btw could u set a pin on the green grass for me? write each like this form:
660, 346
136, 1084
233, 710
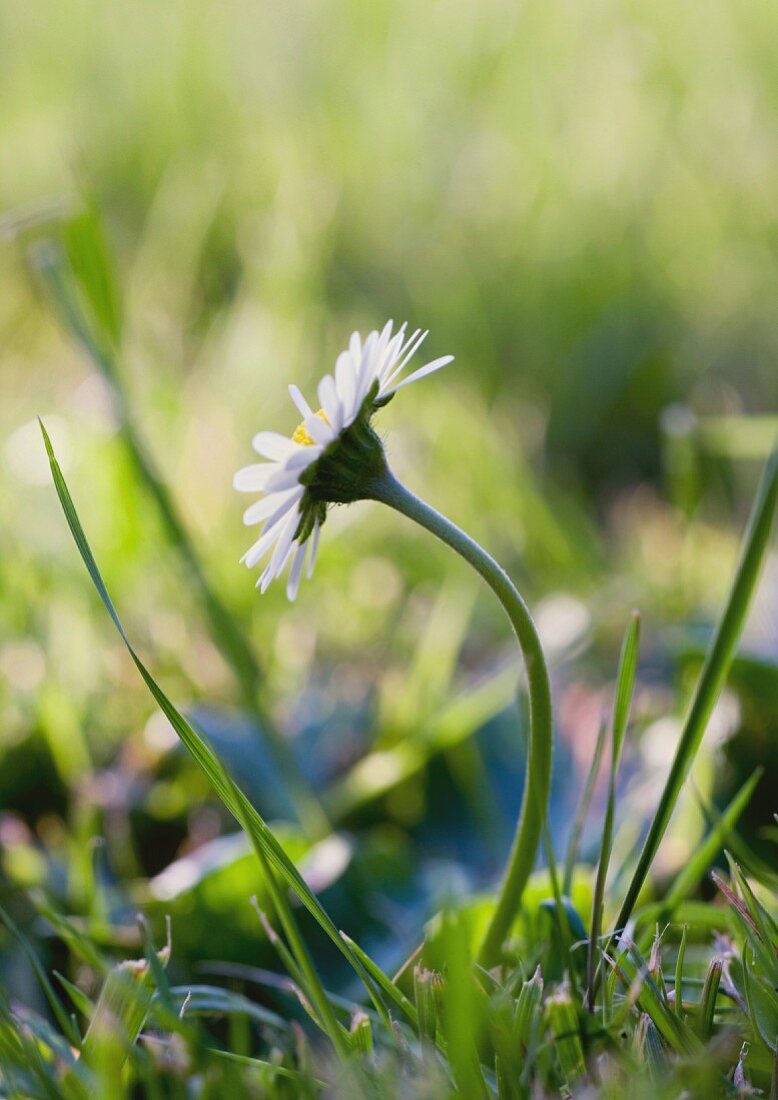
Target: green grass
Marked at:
198, 203
529, 1023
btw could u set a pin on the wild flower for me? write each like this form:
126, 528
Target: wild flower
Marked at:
332, 455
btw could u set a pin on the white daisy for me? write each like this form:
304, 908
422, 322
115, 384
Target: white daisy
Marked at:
331, 454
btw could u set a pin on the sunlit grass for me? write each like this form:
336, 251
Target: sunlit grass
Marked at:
579, 200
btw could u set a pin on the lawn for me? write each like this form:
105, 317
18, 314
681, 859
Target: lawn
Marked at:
362, 843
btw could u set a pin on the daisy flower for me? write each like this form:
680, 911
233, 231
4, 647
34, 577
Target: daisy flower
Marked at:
331, 457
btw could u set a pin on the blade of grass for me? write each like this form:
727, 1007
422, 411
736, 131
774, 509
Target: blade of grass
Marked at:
87, 264
673, 1028
697, 866
230, 794
561, 914
270, 1068
462, 1017
699, 863
84, 1004
708, 996
767, 925
574, 843
296, 981
678, 987
63, 1019
307, 971
713, 675
77, 942
625, 686
387, 987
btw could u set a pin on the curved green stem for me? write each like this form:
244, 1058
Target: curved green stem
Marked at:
388, 490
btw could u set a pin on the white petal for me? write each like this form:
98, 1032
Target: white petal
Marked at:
293, 584
377, 354
288, 528
274, 527
346, 385
303, 407
261, 509
392, 352
253, 479
267, 575
355, 347
314, 548
385, 335
282, 509
436, 364
287, 474
319, 430
328, 399
278, 560
407, 353
273, 445
414, 341
285, 478
256, 552
272, 571
366, 373
302, 457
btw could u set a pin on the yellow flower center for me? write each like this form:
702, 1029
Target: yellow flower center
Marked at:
300, 434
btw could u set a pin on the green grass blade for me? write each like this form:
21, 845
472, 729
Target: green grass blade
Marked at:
230, 794
625, 687
85, 268
562, 909
463, 1013
84, 1004
387, 987
78, 942
270, 1068
574, 843
699, 863
713, 675
304, 963
63, 1019
678, 987
707, 1007
87, 251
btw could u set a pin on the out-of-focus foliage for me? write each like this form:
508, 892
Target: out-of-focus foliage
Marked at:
578, 200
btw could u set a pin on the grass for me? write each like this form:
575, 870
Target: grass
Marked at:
563, 1008
310, 806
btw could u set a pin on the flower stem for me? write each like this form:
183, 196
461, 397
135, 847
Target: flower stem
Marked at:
388, 490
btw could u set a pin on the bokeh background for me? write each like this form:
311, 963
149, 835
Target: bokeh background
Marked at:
578, 199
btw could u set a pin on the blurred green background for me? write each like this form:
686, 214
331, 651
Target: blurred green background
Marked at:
578, 199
